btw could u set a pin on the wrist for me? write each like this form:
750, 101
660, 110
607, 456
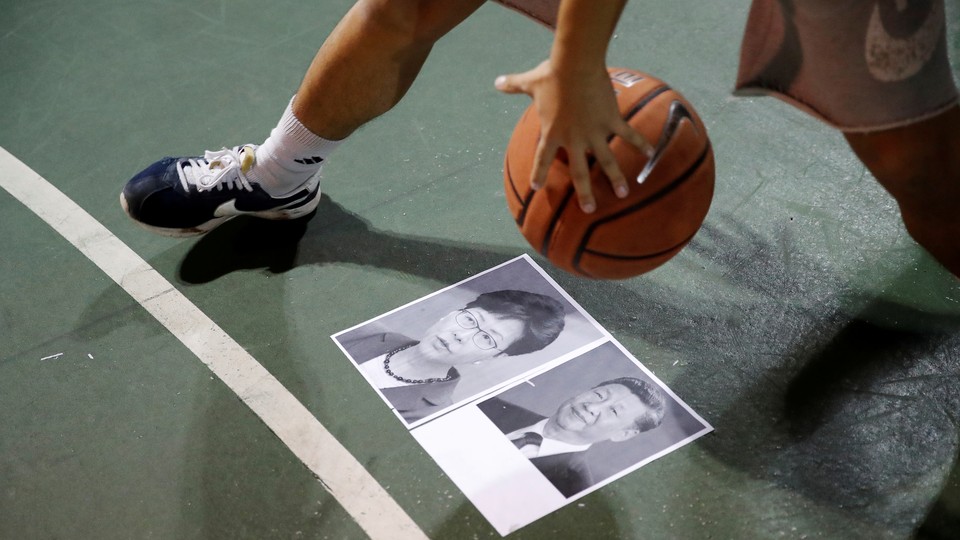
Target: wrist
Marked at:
571, 54
578, 67
584, 30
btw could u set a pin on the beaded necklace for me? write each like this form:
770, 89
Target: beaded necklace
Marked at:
386, 367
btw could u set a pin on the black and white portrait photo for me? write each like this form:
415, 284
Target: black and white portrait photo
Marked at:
519, 395
550, 439
467, 339
591, 418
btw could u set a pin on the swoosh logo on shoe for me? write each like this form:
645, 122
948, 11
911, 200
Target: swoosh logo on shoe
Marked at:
892, 59
228, 208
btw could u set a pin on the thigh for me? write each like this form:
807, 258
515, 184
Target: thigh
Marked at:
542, 11
424, 20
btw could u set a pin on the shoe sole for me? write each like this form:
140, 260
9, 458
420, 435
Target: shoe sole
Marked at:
282, 214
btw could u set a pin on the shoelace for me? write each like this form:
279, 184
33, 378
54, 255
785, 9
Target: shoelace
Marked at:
212, 171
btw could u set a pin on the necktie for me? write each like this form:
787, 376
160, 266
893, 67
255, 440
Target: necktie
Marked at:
529, 439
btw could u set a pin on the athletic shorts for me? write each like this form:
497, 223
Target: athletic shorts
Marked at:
858, 65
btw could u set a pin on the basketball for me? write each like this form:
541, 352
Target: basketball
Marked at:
670, 193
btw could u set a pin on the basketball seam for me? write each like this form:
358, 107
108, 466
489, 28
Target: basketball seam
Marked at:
554, 221
524, 203
547, 239
513, 186
646, 202
639, 257
644, 101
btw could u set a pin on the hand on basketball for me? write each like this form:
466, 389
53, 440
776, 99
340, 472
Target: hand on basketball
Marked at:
578, 114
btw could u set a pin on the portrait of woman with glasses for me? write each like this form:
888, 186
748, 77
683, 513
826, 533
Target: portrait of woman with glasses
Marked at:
418, 374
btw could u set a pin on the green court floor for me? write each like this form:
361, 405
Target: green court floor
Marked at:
820, 342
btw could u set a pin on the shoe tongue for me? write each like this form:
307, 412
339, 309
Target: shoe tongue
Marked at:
247, 158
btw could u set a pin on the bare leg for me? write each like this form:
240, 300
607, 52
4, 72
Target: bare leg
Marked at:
370, 60
920, 166
362, 70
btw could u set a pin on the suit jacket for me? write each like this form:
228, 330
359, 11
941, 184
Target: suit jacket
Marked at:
568, 472
414, 401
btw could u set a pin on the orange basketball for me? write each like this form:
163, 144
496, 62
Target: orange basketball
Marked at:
669, 193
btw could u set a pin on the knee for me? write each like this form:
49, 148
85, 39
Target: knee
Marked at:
918, 164
417, 22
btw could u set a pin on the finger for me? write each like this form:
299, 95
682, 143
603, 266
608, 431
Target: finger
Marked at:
542, 159
580, 175
610, 167
627, 133
510, 84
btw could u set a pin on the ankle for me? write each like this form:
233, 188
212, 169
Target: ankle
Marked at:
290, 156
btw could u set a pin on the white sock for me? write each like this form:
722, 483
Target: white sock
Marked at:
290, 156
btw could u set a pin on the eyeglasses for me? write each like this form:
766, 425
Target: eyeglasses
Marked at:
481, 339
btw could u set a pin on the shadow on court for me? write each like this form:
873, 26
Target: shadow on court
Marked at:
848, 401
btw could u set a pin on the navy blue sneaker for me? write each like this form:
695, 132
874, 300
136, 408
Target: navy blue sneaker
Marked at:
189, 196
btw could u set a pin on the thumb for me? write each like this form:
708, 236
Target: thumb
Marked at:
509, 84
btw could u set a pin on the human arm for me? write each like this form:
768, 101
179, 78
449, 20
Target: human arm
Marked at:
574, 98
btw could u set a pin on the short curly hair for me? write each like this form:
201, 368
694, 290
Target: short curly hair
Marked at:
542, 317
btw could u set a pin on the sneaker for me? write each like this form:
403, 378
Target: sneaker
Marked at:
190, 196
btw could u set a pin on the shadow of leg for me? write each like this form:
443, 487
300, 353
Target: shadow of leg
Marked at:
943, 520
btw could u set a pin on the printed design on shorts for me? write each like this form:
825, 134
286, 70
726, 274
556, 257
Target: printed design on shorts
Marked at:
902, 37
782, 70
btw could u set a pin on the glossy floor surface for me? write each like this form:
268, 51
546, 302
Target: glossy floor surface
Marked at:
802, 322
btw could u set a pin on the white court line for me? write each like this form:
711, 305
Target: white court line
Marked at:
353, 487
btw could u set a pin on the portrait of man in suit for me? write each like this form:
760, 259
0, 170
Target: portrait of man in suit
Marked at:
615, 410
